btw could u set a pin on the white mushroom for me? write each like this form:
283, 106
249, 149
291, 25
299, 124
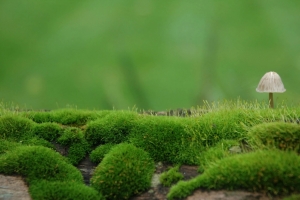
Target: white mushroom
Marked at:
271, 83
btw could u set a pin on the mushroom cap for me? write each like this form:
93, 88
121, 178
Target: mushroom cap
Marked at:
270, 82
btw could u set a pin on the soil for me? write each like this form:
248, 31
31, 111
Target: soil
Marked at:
13, 188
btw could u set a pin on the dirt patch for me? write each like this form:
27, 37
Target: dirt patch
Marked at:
13, 188
86, 167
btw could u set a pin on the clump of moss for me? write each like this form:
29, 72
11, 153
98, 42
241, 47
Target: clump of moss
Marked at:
21, 130
38, 116
217, 152
36, 141
67, 116
49, 131
292, 197
280, 135
272, 171
71, 135
73, 116
113, 128
37, 163
73, 138
98, 154
171, 176
62, 190
166, 139
14, 127
126, 170
6, 146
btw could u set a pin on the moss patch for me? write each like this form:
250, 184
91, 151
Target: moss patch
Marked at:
272, 171
48, 190
280, 135
171, 176
124, 171
36, 163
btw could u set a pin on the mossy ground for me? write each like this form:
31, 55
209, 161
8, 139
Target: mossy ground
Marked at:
206, 136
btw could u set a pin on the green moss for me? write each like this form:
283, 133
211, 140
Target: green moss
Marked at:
166, 139
6, 146
292, 197
217, 152
49, 190
77, 151
36, 163
49, 131
71, 135
73, 138
171, 176
281, 135
73, 116
124, 171
113, 128
36, 141
98, 154
38, 116
15, 128
272, 171
67, 116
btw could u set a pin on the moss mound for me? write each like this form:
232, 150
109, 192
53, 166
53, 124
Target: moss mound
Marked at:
73, 116
49, 131
124, 171
49, 190
36, 163
73, 138
6, 146
21, 130
113, 128
219, 151
16, 128
67, 116
98, 154
272, 171
166, 139
171, 176
281, 135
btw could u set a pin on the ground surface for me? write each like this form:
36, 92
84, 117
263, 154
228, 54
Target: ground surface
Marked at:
14, 187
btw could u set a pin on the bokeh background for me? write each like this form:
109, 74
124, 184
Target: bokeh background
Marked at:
151, 54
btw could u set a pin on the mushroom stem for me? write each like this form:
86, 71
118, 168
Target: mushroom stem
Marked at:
271, 102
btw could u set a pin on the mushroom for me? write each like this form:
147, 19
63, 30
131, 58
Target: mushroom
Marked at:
270, 82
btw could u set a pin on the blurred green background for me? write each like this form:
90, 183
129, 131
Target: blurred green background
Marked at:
104, 54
